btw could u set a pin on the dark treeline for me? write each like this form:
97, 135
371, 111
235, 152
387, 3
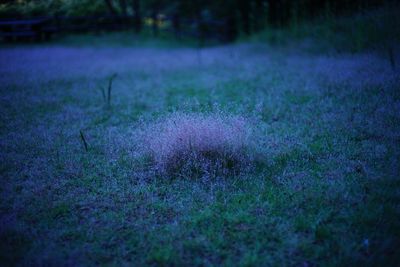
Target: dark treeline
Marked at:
283, 12
246, 16
230, 16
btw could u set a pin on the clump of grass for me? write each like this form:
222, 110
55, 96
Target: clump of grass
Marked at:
199, 145
107, 99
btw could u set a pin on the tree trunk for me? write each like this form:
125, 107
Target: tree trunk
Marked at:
273, 10
111, 8
230, 29
137, 16
123, 6
176, 24
279, 12
244, 8
154, 17
258, 15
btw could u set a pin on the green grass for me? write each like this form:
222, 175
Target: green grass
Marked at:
327, 193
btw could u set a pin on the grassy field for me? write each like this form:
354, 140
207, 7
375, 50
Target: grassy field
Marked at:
325, 191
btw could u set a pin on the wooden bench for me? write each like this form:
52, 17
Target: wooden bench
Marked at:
36, 29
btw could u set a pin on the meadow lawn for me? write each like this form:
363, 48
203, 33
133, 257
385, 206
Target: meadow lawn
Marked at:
325, 193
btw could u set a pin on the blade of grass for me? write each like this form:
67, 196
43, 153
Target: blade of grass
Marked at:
103, 93
85, 144
110, 88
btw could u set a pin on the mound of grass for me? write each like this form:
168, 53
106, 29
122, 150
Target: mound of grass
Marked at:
199, 145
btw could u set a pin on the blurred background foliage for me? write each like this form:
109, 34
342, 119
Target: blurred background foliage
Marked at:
32, 8
251, 14
345, 24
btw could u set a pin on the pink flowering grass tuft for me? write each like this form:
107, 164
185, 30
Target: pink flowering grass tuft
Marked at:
199, 145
